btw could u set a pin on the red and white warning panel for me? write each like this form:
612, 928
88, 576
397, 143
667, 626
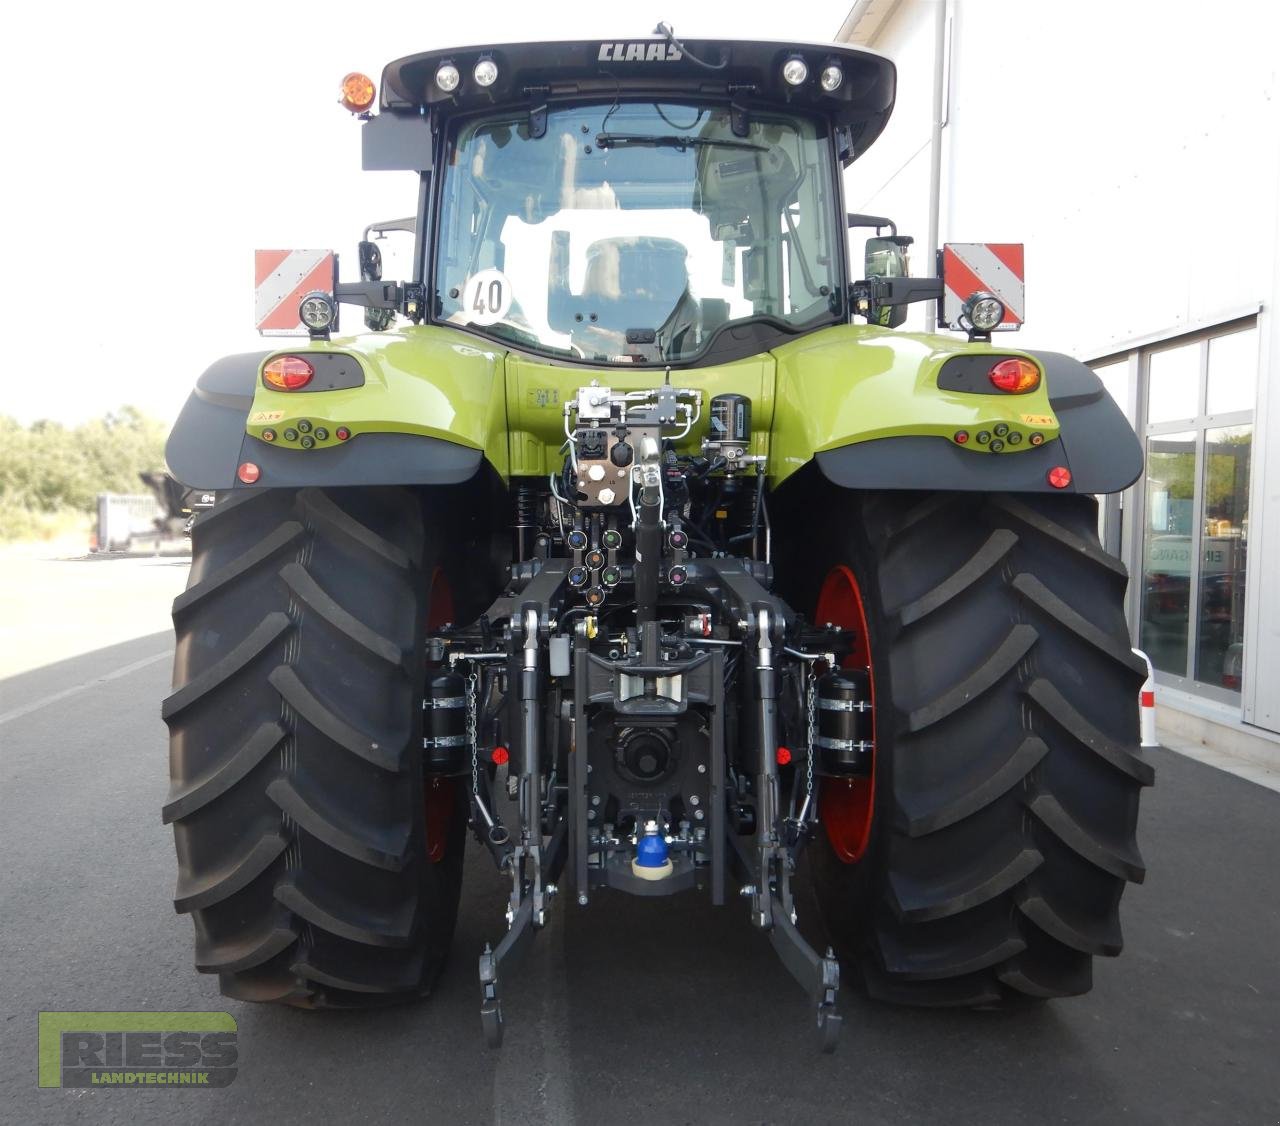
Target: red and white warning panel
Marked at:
282, 278
983, 267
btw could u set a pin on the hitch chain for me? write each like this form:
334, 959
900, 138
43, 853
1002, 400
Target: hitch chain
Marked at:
473, 739
811, 695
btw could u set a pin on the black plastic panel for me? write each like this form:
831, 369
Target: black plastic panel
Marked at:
970, 374
393, 142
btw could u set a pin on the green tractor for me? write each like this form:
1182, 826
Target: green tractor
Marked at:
632, 539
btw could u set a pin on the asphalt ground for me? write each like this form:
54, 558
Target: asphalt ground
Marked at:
631, 1011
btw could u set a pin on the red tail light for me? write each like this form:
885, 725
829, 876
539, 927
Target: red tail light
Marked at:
1059, 476
1015, 376
288, 373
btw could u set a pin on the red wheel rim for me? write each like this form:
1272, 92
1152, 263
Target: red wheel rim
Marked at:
439, 601
847, 805
438, 792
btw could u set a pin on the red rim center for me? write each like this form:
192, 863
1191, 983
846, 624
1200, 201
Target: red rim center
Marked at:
847, 805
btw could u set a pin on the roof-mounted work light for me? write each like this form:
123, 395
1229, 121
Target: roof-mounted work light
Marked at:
447, 77
794, 71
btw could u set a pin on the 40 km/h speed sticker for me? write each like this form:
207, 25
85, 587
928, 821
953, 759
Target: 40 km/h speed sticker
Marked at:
486, 297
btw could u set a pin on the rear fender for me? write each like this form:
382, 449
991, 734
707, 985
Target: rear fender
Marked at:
878, 409
1095, 442
418, 412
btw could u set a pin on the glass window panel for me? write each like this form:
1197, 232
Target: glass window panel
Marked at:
1220, 643
1233, 372
1166, 550
1173, 386
1115, 378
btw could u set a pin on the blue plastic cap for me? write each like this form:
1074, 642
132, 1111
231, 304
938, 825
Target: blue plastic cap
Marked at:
651, 852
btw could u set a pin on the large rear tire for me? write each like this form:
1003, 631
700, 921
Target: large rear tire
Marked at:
1008, 765
298, 799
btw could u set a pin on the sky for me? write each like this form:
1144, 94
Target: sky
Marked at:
149, 148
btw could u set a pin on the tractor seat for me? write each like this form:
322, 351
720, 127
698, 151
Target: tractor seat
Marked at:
631, 283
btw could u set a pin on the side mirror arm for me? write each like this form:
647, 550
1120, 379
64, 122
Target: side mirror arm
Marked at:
867, 296
876, 221
408, 299
370, 294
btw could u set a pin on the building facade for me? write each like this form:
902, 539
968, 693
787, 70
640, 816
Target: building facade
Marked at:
1135, 150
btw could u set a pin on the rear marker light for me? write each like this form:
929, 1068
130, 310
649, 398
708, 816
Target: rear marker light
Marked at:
1014, 376
268, 435
1036, 439
784, 756
500, 756
1059, 476
961, 436
248, 472
287, 373
343, 433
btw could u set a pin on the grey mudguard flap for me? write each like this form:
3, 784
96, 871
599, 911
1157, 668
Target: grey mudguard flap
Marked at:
208, 443
1096, 443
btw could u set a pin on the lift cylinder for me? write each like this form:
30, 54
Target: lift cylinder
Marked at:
845, 739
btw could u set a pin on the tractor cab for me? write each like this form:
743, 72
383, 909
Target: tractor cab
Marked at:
630, 203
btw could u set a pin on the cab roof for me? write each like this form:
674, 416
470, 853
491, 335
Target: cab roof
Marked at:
745, 73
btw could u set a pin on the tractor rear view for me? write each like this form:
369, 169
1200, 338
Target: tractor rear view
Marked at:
630, 538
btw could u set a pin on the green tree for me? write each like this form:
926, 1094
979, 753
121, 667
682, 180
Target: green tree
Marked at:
48, 468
